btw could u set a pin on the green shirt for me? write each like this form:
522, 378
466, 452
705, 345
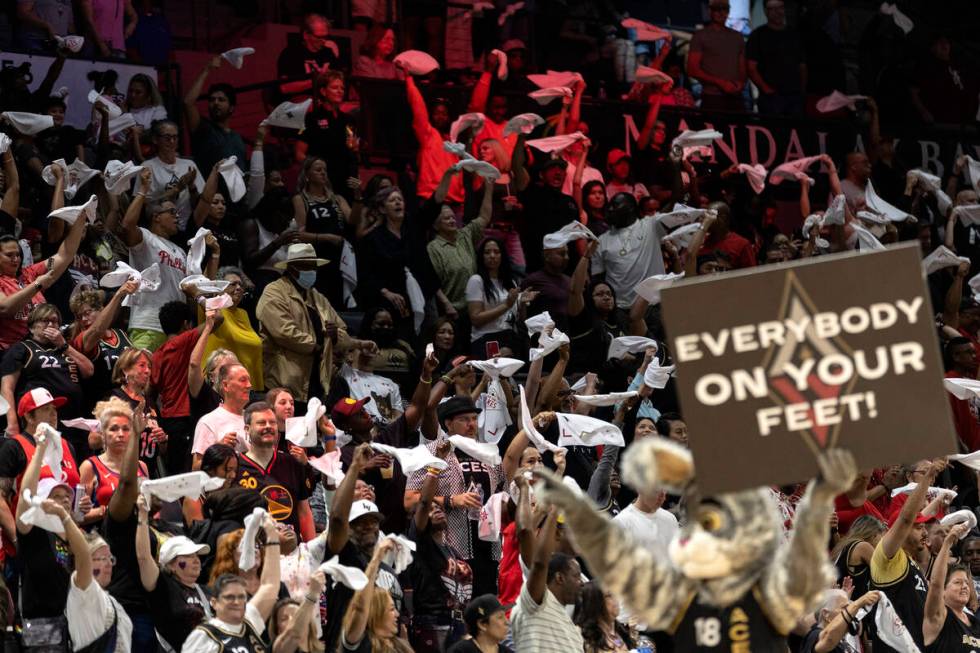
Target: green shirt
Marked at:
455, 263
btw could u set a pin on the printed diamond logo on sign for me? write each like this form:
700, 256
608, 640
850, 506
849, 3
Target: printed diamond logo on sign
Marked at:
774, 365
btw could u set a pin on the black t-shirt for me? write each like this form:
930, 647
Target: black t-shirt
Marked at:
283, 483
176, 609
47, 566
779, 54
339, 595
389, 492
469, 646
149, 450
441, 581
103, 360
548, 210
707, 628
126, 586
296, 61
205, 401
326, 135
41, 367
60, 143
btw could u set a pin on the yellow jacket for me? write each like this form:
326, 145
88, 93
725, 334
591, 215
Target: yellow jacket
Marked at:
288, 340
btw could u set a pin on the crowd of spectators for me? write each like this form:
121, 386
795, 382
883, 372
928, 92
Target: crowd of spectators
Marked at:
220, 373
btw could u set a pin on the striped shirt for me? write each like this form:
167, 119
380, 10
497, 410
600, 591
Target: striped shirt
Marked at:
544, 628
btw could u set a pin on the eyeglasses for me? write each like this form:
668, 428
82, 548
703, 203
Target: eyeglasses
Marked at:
234, 598
110, 559
170, 210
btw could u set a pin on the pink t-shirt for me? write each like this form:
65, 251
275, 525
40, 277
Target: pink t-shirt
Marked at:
108, 18
13, 329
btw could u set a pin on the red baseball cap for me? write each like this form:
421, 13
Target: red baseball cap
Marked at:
919, 519
34, 399
348, 407
615, 156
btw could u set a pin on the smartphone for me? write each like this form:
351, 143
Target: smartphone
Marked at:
493, 349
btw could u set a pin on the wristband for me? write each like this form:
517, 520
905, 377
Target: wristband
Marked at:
276, 543
445, 379
447, 503
425, 381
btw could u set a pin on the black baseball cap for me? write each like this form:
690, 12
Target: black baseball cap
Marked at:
482, 607
458, 405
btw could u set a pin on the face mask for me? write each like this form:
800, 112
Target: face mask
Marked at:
306, 278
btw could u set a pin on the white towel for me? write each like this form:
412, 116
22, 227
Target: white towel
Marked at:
465, 121
330, 465
656, 376
645, 31
790, 169
72, 43
412, 460
554, 78
610, 399
289, 115
351, 577
680, 215
903, 22
502, 71
586, 431
890, 628
348, 272
488, 529
70, 213
547, 343
149, 279
682, 236
495, 418
648, 75
218, 302
302, 431
401, 557
485, 452
117, 175
233, 177
968, 214
246, 547
931, 493
963, 388
874, 202
756, 174
121, 123
523, 123
458, 149
82, 423
35, 515
623, 345
54, 454
484, 169
191, 485
195, 251
236, 56
417, 62
75, 176
4, 143
965, 516
28, 123
527, 424
650, 288
542, 321
203, 284
571, 231
556, 143
416, 299
95, 98
940, 258
837, 100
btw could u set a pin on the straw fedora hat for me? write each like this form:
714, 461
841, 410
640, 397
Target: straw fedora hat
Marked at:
301, 253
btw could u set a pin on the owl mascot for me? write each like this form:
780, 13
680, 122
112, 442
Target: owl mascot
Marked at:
731, 581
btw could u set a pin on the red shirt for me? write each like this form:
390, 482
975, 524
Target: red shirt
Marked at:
965, 417
972, 337
433, 160
738, 250
14, 328
169, 374
846, 513
510, 579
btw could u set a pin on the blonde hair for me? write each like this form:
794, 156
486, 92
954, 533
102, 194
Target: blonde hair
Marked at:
377, 612
501, 160
316, 646
212, 361
126, 361
112, 407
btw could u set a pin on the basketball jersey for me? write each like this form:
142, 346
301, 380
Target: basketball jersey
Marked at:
956, 636
860, 574
740, 628
908, 595
106, 480
52, 370
283, 484
248, 642
105, 359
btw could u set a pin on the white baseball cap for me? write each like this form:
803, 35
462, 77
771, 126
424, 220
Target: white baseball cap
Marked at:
363, 507
181, 546
47, 485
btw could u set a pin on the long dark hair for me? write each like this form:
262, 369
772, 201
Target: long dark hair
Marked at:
587, 190
590, 611
504, 275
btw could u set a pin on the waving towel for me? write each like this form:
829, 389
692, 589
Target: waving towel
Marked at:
350, 577
416, 62
756, 175
485, 452
289, 115
330, 465
28, 123
610, 399
302, 431
246, 547
649, 289
837, 100
547, 343
527, 424
412, 460
232, 174
655, 376
623, 345
70, 213
195, 251
571, 231
117, 175
523, 123
191, 485
584, 431
466, 121
236, 56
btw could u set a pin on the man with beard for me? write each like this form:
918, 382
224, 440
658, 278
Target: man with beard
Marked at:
441, 579
212, 138
352, 534
279, 478
630, 251
893, 567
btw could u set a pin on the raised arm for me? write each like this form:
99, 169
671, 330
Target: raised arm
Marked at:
268, 593
149, 569
935, 610
289, 640
56, 228
518, 167
355, 621
190, 99
256, 169
954, 297
428, 491
131, 234
551, 384
832, 176
195, 369
580, 279
29, 482
481, 92
124, 498
892, 540
646, 134
339, 529
11, 196
420, 113
103, 321
420, 398
575, 112
203, 206
79, 548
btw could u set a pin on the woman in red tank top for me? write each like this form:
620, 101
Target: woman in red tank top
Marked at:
100, 474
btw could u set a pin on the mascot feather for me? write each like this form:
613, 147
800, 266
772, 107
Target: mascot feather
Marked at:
732, 582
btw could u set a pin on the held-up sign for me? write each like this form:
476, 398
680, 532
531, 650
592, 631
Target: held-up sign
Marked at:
777, 364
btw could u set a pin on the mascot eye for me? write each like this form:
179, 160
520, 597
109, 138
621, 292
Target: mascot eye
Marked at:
710, 520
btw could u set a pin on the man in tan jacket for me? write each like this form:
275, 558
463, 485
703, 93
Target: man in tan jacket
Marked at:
300, 329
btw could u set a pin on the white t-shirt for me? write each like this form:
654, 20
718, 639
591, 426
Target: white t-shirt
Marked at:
217, 424
544, 628
146, 116
656, 529
200, 642
474, 293
166, 175
590, 174
145, 306
90, 613
628, 256
386, 399
639, 191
